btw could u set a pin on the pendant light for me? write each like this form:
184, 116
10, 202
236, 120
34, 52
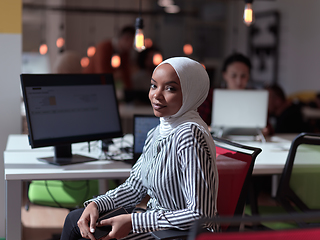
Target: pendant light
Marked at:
43, 48
157, 59
187, 49
248, 15
115, 59
139, 36
60, 42
91, 50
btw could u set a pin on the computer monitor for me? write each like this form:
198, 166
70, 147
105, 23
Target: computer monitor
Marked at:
142, 124
62, 109
241, 110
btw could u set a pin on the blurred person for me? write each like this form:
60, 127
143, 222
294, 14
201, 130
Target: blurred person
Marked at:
315, 103
284, 116
101, 60
67, 62
141, 77
236, 73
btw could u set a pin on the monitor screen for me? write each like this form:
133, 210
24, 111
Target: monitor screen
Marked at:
62, 109
142, 124
239, 109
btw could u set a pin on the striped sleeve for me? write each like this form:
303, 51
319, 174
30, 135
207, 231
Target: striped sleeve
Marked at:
128, 194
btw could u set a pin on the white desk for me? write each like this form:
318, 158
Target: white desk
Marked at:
21, 164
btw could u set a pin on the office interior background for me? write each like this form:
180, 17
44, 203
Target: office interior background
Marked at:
214, 27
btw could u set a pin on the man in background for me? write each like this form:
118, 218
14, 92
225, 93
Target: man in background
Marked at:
101, 61
284, 116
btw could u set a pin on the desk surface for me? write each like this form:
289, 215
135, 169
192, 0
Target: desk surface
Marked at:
26, 166
273, 156
21, 162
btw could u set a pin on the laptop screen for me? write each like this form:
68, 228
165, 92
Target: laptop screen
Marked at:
142, 124
239, 108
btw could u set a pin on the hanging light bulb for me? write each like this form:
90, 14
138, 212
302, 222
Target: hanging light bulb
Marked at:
115, 61
84, 62
91, 51
60, 42
43, 49
148, 43
139, 37
187, 49
248, 15
157, 59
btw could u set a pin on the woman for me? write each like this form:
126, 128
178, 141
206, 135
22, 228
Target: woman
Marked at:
236, 73
177, 168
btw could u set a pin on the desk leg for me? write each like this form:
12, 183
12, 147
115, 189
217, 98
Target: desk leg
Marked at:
274, 184
13, 209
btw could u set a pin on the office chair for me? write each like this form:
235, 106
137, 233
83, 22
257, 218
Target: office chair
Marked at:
235, 164
196, 232
299, 185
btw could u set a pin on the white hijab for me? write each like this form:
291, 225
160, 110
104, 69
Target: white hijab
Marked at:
195, 84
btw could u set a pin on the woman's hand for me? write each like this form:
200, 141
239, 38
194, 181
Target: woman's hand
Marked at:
121, 226
87, 221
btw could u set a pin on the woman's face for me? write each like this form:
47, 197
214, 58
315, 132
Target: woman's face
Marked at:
237, 75
165, 91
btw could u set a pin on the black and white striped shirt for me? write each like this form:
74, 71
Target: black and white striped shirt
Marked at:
178, 174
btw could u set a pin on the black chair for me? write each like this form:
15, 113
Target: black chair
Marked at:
299, 185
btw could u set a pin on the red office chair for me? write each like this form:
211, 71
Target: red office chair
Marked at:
235, 164
196, 232
296, 234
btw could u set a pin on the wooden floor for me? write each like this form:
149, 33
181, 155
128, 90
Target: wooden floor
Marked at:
41, 223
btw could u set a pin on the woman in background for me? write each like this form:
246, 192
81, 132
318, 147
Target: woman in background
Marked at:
236, 73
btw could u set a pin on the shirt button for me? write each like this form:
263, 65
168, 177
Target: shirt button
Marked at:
151, 229
143, 229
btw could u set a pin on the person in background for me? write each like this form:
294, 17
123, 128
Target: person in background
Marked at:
315, 103
177, 168
236, 73
67, 62
101, 60
284, 116
141, 77
314, 122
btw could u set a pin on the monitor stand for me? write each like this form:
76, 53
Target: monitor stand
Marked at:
254, 132
63, 156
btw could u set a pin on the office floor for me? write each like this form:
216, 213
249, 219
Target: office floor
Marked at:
41, 223
45, 223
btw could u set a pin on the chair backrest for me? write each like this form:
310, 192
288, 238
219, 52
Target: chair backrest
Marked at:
300, 181
235, 165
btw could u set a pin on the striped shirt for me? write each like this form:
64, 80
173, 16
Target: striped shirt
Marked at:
177, 172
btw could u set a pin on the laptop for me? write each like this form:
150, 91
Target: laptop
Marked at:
142, 124
244, 110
